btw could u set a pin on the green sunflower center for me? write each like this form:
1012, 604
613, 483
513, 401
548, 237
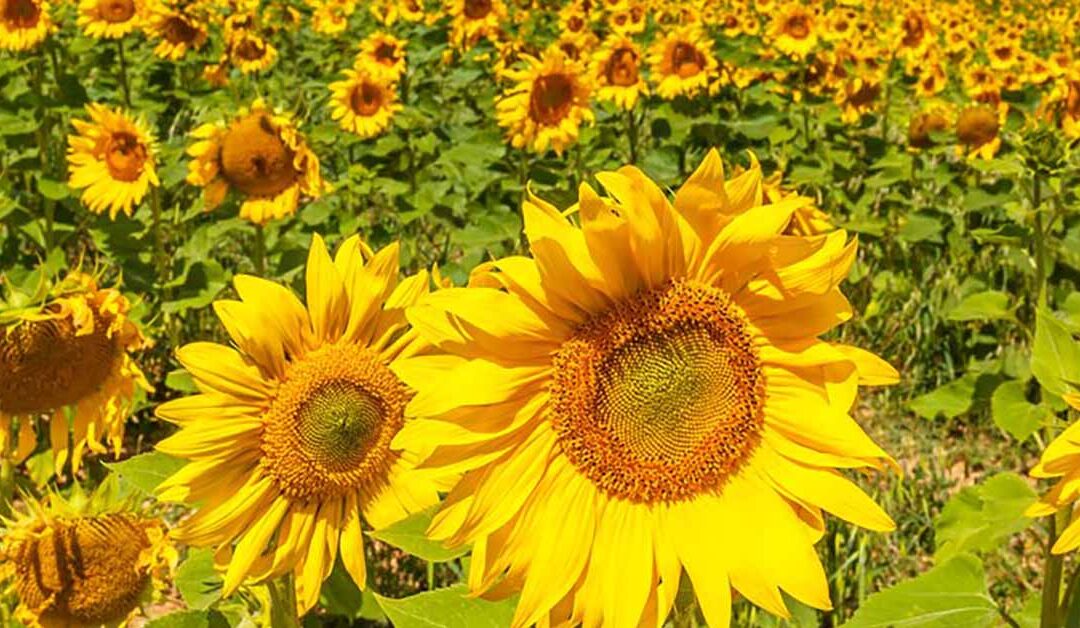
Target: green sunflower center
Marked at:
337, 424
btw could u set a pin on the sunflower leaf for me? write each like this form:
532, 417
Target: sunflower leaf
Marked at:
979, 517
447, 608
982, 306
145, 471
1055, 356
409, 535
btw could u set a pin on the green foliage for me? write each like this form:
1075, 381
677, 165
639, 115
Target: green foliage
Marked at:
980, 517
447, 608
409, 535
143, 473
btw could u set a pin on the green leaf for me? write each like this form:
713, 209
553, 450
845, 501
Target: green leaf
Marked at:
447, 608
408, 534
950, 400
180, 381
949, 595
1055, 356
197, 580
982, 306
340, 596
1013, 413
145, 471
190, 619
980, 517
52, 190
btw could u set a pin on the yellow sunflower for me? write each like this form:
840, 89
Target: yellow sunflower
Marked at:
1059, 461
83, 562
24, 23
69, 358
365, 102
978, 128
681, 63
629, 19
111, 157
251, 52
332, 17
110, 19
932, 119
261, 155
654, 370
473, 19
289, 440
177, 32
548, 103
793, 30
616, 71
385, 51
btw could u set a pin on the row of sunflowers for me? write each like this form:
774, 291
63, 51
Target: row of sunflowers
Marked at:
579, 367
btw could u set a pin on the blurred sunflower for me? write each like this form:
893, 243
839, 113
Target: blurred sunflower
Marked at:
472, 19
856, 98
629, 19
914, 32
110, 19
932, 80
978, 128
547, 104
1003, 55
289, 441
331, 17
388, 12
261, 155
89, 561
680, 63
656, 372
365, 102
177, 32
386, 51
793, 30
1060, 460
573, 19
932, 119
111, 158
616, 71
250, 52
24, 23
71, 352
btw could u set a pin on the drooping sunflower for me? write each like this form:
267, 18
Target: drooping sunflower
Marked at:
932, 119
24, 23
386, 51
261, 155
617, 72
793, 30
111, 158
1059, 461
177, 31
365, 101
110, 19
655, 370
547, 104
978, 128
681, 63
89, 561
70, 356
289, 441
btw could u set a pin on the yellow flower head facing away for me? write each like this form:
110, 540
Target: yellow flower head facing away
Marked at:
364, 102
547, 104
289, 440
655, 368
1059, 461
111, 158
24, 24
71, 354
259, 154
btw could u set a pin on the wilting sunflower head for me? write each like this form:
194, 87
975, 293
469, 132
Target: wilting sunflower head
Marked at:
1059, 461
923, 124
24, 23
547, 104
111, 158
177, 32
289, 442
259, 154
681, 63
366, 101
73, 568
384, 51
72, 353
617, 72
978, 128
654, 368
110, 19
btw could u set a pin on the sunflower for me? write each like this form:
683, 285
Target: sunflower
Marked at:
70, 356
473, 19
289, 441
656, 372
978, 128
681, 63
251, 52
386, 51
177, 32
365, 102
111, 156
617, 72
856, 98
24, 24
547, 104
110, 19
1059, 460
793, 30
932, 119
331, 17
629, 19
83, 562
915, 32
261, 155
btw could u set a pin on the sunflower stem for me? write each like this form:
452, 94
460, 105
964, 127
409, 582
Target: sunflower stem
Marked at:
1051, 593
631, 135
125, 88
7, 483
42, 135
161, 263
260, 250
283, 602
430, 576
1040, 239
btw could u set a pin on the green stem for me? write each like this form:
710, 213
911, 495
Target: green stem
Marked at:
260, 251
48, 211
161, 262
430, 576
1040, 240
1051, 594
7, 484
126, 89
631, 134
283, 602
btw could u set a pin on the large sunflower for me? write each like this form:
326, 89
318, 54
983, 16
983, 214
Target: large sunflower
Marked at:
24, 23
88, 562
365, 101
289, 442
261, 155
111, 157
547, 104
654, 398
681, 63
1061, 460
110, 19
617, 72
72, 352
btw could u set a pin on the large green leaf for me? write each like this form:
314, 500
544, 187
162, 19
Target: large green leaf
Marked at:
447, 608
197, 580
190, 619
409, 535
980, 517
1013, 413
146, 471
982, 306
1055, 356
952, 594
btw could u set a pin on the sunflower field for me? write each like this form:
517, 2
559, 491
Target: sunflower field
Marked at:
510, 313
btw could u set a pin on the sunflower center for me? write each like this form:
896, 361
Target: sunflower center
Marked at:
328, 431
250, 49
622, 68
976, 126
116, 11
254, 158
1072, 101
687, 60
46, 366
83, 572
386, 53
575, 24
913, 31
551, 98
125, 156
797, 26
21, 13
177, 30
366, 99
477, 9
660, 398
922, 125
